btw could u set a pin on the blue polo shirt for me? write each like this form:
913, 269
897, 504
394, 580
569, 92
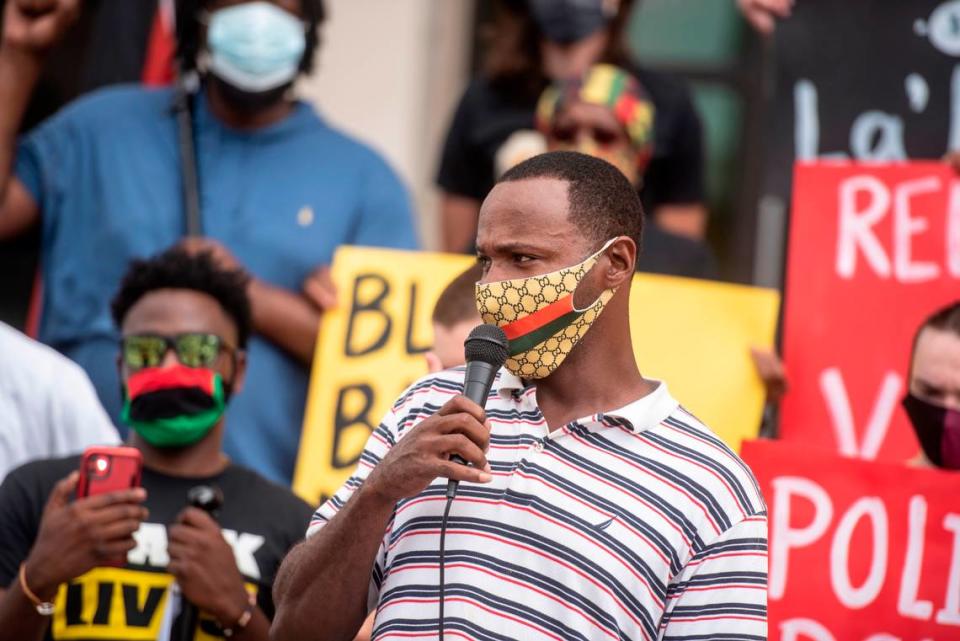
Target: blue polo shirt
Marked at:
105, 173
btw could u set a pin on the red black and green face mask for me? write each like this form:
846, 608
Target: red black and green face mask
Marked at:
173, 406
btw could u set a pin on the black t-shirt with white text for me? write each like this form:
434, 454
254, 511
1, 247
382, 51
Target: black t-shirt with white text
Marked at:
260, 520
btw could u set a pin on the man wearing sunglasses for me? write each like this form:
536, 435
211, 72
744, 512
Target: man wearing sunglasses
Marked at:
103, 566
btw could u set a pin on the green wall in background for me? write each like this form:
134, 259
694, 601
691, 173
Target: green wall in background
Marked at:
700, 32
702, 39
721, 110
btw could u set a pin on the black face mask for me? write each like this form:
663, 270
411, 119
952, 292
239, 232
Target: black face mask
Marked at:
249, 102
937, 429
567, 21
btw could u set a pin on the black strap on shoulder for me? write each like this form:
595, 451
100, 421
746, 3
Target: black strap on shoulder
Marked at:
183, 108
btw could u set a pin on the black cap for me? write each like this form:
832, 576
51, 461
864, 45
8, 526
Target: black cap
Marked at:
567, 21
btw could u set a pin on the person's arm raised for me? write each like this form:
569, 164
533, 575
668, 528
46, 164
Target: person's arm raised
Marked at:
30, 29
322, 587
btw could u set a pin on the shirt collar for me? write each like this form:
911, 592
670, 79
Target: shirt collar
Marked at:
301, 115
639, 415
507, 383
647, 411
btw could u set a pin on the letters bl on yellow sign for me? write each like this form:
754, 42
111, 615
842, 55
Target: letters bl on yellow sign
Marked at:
693, 334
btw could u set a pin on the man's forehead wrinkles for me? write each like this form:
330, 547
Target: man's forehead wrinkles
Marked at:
513, 215
514, 245
503, 243
516, 221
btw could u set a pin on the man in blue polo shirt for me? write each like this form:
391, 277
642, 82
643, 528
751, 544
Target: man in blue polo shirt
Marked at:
279, 191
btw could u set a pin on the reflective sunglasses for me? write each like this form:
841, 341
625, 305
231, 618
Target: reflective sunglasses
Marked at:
569, 133
193, 349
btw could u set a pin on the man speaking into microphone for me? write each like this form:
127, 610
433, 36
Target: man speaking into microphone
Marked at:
593, 505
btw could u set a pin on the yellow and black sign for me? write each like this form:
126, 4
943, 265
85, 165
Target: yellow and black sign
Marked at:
120, 603
693, 334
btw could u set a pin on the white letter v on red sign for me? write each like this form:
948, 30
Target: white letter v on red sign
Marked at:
838, 404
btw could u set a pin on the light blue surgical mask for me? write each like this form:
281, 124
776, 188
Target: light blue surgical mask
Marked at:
255, 46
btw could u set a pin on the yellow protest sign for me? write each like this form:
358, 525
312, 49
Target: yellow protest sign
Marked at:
696, 335
369, 349
693, 334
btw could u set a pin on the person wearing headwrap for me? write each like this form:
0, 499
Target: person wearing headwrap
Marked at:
606, 114
529, 44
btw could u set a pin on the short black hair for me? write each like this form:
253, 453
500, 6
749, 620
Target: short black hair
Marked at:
603, 203
945, 319
188, 16
458, 301
177, 269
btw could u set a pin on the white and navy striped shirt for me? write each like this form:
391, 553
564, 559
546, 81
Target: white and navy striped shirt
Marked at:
634, 524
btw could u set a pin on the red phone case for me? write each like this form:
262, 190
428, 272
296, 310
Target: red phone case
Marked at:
108, 469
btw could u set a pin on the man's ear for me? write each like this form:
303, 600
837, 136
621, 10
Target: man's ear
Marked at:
433, 362
239, 371
621, 262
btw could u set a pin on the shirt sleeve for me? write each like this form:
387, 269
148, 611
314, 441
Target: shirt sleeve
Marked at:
386, 219
677, 178
463, 170
722, 591
31, 162
378, 445
18, 527
48, 155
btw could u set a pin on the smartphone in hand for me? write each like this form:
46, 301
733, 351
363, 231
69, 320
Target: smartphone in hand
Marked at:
109, 469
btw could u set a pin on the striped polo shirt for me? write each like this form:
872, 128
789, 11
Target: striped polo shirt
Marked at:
631, 524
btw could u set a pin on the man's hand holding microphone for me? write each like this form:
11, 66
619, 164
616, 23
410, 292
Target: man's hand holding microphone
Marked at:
459, 428
458, 434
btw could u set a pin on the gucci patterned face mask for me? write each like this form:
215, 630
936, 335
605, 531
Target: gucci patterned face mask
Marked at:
539, 316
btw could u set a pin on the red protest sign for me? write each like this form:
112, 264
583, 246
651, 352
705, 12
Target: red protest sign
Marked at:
874, 249
858, 550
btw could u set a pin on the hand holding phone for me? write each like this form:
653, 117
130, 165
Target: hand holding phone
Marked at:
109, 469
96, 529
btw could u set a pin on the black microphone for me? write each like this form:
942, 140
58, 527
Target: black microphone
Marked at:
208, 498
486, 350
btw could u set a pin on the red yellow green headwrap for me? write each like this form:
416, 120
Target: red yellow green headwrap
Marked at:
607, 86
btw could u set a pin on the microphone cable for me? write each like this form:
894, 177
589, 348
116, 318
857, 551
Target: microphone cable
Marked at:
443, 550
486, 350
